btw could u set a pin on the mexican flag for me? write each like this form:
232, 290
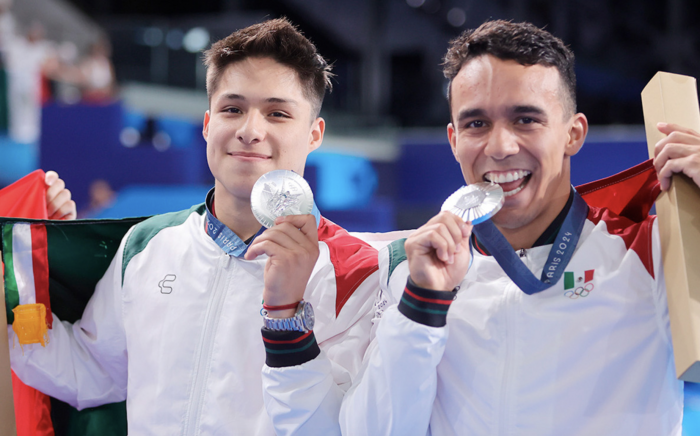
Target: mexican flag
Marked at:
58, 264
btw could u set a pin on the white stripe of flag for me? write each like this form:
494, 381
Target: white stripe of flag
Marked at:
23, 263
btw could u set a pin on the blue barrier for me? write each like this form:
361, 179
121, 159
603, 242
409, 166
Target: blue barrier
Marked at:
82, 143
343, 181
16, 160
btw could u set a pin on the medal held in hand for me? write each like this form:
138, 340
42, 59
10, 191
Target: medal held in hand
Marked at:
280, 193
476, 202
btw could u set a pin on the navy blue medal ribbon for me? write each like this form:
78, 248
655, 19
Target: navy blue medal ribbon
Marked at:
559, 256
226, 239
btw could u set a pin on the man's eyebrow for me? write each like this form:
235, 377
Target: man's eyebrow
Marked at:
281, 100
232, 97
267, 100
470, 113
527, 109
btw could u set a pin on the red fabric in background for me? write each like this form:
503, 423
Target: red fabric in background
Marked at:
630, 193
26, 198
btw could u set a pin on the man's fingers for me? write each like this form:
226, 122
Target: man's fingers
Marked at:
675, 135
687, 165
285, 236
61, 200
57, 186
50, 177
668, 128
305, 223
433, 238
673, 151
66, 211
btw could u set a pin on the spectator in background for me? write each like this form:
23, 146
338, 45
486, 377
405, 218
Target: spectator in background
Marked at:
27, 58
97, 81
102, 196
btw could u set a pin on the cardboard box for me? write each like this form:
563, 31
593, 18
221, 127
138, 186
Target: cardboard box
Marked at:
7, 409
673, 98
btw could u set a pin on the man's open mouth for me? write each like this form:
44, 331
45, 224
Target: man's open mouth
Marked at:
512, 182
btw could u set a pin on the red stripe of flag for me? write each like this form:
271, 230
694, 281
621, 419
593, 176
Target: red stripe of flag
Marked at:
40, 265
427, 300
589, 275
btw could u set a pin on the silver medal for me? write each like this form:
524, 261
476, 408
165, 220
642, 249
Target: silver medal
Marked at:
476, 202
280, 193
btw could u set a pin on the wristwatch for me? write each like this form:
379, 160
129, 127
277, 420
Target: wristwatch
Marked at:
302, 321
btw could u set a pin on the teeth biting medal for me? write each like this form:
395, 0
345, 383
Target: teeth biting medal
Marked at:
476, 202
280, 193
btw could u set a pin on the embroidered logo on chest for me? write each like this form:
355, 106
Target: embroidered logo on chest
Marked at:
581, 286
164, 284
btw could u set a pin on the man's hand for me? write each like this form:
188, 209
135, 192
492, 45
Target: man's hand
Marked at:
679, 152
59, 205
292, 247
438, 252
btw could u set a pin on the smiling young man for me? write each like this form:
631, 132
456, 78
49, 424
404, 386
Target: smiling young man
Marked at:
174, 324
564, 330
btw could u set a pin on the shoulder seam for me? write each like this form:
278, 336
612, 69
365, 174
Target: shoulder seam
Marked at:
397, 254
148, 229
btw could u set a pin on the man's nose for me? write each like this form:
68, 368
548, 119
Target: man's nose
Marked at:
502, 142
252, 130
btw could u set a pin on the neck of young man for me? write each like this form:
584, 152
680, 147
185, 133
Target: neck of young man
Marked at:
525, 236
235, 213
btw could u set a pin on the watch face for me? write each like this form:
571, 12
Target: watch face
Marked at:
309, 318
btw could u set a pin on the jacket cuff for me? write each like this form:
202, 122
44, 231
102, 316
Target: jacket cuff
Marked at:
425, 306
284, 348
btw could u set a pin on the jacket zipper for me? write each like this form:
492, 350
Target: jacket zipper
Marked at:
205, 348
504, 418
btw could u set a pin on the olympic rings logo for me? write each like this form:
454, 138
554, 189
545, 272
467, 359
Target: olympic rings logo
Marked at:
581, 291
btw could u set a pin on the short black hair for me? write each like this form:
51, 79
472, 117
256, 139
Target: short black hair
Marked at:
277, 39
522, 42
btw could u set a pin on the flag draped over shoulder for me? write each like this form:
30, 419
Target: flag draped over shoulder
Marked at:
58, 264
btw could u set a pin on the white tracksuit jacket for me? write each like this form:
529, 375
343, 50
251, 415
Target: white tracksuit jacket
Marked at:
592, 360
174, 328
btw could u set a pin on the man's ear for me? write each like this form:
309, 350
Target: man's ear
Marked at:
205, 127
452, 137
577, 134
318, 128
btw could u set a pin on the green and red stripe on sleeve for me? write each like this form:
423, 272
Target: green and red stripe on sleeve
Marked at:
425, 306
289, 348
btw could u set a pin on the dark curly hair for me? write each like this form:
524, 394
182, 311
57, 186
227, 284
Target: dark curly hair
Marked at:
521, 42
277, 39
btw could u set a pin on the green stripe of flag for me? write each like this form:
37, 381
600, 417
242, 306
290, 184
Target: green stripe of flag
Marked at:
569, 280
11, 290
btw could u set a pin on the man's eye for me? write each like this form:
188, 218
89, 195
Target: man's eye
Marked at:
232, 110
526, 120
277, 114
475, 124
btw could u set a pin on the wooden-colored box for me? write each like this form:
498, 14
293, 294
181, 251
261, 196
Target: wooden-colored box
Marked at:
673, 98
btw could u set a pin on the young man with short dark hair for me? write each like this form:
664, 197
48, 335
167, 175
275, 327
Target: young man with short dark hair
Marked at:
522, 342
174, 324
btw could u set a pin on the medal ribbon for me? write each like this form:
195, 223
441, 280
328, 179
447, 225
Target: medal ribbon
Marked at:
226, 238
559, 256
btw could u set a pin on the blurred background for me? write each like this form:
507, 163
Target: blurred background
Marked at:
111, 94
